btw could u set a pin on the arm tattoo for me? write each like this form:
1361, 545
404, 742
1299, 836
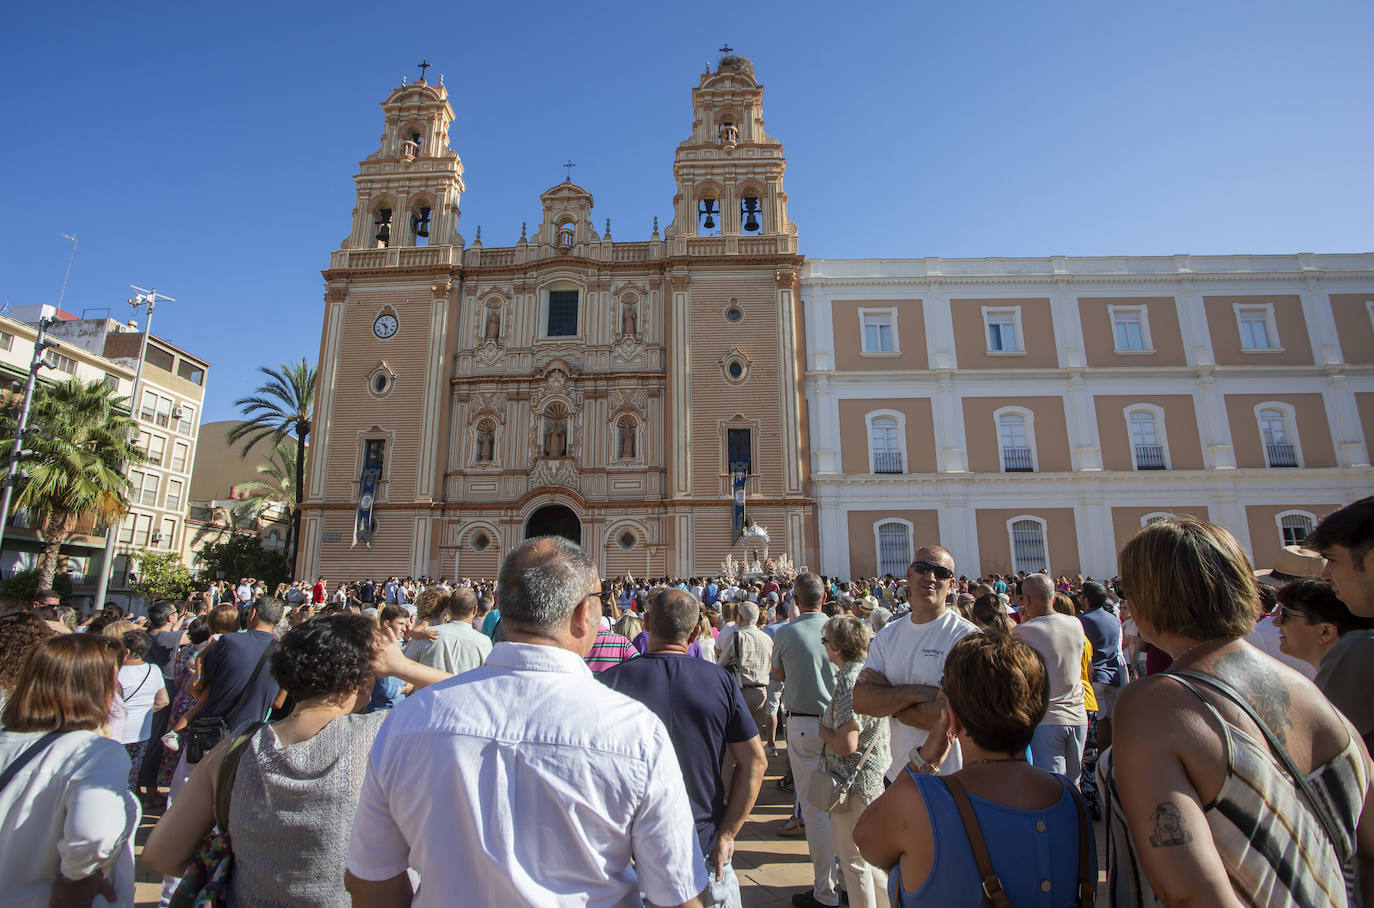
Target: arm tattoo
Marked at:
1261, 687
1168, 829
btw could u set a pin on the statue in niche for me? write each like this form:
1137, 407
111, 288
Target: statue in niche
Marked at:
625, 439
492, 330
629, 319
555, 437
486, 443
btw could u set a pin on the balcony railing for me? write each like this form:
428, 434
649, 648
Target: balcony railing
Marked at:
1150, 457
1281, 455
888, 462
1017, 460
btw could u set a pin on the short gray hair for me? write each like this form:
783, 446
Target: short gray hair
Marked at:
748, 614
672, 614
1038, 587
542, 581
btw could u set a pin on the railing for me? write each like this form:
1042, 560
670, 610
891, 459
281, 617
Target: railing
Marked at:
888, 462
146, 415
1281, 455
1149, 457
1017, 460
498, 257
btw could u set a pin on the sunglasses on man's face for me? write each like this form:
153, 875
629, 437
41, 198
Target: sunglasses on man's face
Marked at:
940, 572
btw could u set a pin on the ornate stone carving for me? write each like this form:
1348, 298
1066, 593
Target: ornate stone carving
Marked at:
561, 472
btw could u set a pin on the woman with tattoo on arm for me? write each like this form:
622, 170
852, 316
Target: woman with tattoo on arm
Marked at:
1203, 810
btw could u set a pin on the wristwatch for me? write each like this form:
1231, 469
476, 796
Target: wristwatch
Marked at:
922, 764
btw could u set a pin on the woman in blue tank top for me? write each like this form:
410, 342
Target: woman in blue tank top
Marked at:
1030, 819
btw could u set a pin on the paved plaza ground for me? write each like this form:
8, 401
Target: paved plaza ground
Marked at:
771, 868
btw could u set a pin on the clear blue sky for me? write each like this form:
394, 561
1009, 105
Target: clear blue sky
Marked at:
211, 154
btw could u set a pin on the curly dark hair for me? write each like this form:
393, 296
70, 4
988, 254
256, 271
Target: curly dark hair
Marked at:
19, 631
328, 655
137, 643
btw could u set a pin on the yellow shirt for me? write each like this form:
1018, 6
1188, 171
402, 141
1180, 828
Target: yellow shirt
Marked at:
1089, 698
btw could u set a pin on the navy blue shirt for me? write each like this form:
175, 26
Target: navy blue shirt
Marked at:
703, 709
229, 663
1103, 631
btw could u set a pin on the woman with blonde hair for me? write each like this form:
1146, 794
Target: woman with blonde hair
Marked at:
1231, 780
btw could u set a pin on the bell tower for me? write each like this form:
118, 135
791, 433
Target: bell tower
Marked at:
378, 452
729, 172
408, 189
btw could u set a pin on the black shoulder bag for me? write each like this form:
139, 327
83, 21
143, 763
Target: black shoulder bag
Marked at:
204, 732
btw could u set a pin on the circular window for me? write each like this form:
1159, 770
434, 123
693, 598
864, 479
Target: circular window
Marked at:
735, 369
626, 540
734, 314
480, 541
379, 384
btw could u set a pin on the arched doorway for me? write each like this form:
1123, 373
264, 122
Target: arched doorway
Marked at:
554, 520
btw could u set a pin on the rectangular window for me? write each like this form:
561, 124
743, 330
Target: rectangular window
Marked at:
179, 454
174, 487
143, 528
61, 363
150, 483
187, 424
126, 529
156, 356
169, 533
1004, 330
1257, 328
878, 330
164, 412
148, 410
191, 372
111, 382
1028, 546
894, 549
157, 447
739, 447
1295, 528
562, 314
374, 452
1130, 329
6, 341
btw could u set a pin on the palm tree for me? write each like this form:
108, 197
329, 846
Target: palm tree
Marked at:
277, 488
282, 406
80, 441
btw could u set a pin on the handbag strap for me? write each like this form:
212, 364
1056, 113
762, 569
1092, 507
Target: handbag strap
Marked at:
146, 675
228, 772
248, 688
863, 760
1300, 781
993, 892
29, 753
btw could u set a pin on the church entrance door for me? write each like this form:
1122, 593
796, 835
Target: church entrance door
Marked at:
554, 520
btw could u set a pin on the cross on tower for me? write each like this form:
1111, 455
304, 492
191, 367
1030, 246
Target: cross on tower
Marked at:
726, 49
424, 65
570, 165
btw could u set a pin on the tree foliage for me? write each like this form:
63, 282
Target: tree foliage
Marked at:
277, 487
23, 585
243, 556
162, 575
281, 407
78, 441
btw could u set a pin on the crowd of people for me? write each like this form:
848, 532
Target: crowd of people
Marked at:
548, 737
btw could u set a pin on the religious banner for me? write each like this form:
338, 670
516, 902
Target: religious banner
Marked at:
739, 474
367, 491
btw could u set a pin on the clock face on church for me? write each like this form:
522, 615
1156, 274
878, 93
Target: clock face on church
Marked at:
384, 326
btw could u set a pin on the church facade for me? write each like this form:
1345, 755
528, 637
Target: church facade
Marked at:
470, 397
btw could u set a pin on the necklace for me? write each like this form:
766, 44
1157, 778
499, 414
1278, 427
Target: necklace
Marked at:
1184, 655
1018, 759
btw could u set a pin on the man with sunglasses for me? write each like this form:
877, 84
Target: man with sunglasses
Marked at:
906, 660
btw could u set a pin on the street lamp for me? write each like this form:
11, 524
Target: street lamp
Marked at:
143, 299
41, 344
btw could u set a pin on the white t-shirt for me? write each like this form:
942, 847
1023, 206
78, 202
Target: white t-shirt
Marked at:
138, 685
1059, 640
909, 653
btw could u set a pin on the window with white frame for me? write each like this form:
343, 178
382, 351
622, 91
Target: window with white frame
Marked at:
142, 530
173, 501
885, 444
1028, 551
1148, 450
1277, 436
879, 330
1131, 329
1015, 442
1257, 328
147, 486
180, 455
1003, 328
157, 447
168, 533
1295, 526
894, 547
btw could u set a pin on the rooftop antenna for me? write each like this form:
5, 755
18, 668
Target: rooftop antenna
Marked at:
63, 292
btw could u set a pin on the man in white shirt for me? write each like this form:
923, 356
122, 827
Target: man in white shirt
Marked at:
525, 781
1059, 639
458, 648
905, 662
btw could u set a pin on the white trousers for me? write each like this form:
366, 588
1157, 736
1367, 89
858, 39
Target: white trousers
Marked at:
804, 755
867, 885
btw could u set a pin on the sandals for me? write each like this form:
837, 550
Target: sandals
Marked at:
794, 828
